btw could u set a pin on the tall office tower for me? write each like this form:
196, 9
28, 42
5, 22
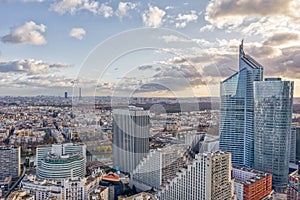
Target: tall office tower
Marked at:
59, 149
297, 128
130, 137
56, 167
66, 95
272, 134
207, 177
159, 166
236, 110
293, 145
10, 158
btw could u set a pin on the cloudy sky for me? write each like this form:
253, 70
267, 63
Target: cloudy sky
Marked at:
138, 48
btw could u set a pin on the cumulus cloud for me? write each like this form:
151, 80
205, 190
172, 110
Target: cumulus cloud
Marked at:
207, 27
29, 33
281, 38
29, 66
232, 13
73, 6
184, 19
43, 81
124, 7
77, 33
169, 8
106, 11
153, 17
174, 38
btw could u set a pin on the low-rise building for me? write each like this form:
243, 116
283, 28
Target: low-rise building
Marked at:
101, 193
4, 185
139, 196
73, 188
293, 191
20, 195
41, 189
250, 184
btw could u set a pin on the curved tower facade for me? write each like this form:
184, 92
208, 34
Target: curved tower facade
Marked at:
272, 133
237, 111
61, 167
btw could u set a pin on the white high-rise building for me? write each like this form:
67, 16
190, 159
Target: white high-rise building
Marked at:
130, 137
207, 177
159, 166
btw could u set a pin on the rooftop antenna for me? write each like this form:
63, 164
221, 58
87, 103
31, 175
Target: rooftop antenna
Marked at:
242, 48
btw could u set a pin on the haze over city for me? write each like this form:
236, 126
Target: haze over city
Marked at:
46, 45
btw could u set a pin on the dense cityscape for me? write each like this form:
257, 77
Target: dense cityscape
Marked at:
249, 148
150, 100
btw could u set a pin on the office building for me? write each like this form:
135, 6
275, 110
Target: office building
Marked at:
202, 142
99, 193
159, 166
73, 188
293, 191
55, 167
40, 188
66, 95
130, 137
10, 158
59, 149
236, 110
273, 117
250, 184
293, 145
296, 137
207, 177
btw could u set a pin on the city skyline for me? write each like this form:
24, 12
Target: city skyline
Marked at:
43, 51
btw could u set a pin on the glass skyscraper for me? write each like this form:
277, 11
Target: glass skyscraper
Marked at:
272, 121
237, 110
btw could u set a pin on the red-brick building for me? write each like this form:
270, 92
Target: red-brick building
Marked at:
250, 184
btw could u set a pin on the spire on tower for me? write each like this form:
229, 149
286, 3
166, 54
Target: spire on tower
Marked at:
242, 48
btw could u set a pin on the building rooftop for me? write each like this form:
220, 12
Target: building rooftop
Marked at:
111, 177
257, 175
52, 158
